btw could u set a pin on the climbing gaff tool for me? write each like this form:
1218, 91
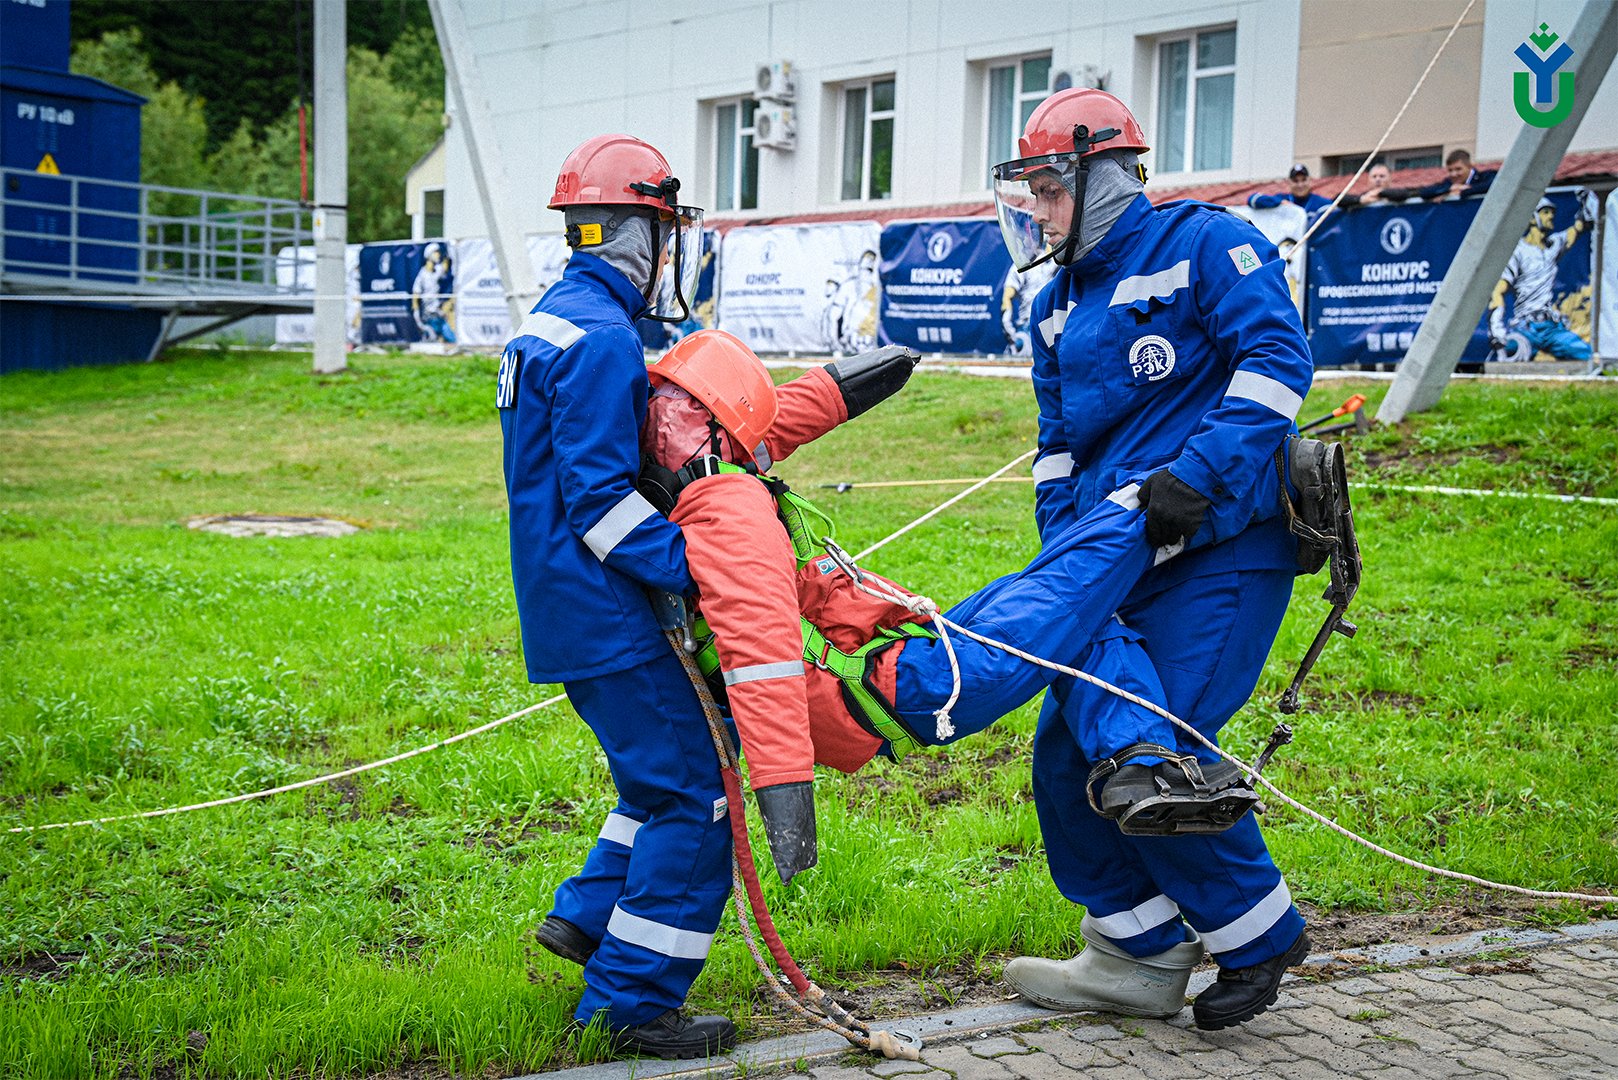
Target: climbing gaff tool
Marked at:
812, 1003
1323, 522
1354, 404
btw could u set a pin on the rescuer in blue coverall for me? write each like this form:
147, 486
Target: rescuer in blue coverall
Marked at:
1167, 354
585, 545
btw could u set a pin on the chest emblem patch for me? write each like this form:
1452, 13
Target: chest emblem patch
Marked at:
1150, 359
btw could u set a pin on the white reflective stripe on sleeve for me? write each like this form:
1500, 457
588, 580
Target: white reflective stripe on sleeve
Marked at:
1162, 285
1138, 919
552, 328
620, 829
1250, 926
1053, 467
658, 937
786, 669
1266, 391
1051, 325
1126, 497
617, 523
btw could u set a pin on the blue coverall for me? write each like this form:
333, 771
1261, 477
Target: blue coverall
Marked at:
584, 547
1173, 343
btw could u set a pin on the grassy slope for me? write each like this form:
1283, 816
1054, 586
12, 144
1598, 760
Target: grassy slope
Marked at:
351, 928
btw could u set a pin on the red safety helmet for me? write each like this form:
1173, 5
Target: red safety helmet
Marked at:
1050, 126
615, 170
1062, 131
621, 170
726, 378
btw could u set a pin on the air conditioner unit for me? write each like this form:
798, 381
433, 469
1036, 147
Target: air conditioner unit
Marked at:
774, 126
775, 82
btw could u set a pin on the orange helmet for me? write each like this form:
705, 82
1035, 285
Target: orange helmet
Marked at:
615, 170
728, 379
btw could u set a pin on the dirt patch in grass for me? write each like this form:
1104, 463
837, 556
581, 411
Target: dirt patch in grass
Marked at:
1404, 459
1595, 654
40, 965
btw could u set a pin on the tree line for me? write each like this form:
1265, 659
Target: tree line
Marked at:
223, 82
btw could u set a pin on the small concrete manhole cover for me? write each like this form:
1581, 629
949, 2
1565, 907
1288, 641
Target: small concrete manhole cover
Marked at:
271, 525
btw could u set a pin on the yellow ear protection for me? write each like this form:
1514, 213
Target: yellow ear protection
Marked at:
587, 235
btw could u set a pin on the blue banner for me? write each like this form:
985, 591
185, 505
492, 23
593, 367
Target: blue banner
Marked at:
1373, 273
407, 293
945, 288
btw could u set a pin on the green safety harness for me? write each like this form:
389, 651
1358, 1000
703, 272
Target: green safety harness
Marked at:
809, 529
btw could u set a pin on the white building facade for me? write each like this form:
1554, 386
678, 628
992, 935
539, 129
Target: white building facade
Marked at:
906, 103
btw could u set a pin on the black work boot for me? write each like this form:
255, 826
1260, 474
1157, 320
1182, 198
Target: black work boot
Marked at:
676, 1035
566, 940
1239, 994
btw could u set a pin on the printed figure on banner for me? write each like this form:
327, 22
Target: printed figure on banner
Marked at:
432, 295
849, 319
1017, 305
1539, 320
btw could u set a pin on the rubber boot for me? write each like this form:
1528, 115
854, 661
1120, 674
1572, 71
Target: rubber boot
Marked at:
1105, 978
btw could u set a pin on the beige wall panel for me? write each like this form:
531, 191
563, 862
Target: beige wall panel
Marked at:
1357, 62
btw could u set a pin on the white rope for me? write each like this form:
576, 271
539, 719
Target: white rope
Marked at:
1367, 485
1433, 489
311, 782
1328, 211
947, 503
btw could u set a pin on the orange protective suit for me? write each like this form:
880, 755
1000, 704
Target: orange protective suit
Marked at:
742, 561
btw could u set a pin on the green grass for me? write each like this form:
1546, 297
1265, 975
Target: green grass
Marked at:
386, 921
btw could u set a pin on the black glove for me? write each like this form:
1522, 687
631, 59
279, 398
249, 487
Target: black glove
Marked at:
658, 485
789, 824
872, 377
1174, 509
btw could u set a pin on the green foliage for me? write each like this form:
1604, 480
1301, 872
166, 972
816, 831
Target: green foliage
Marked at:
395, 111
383, 923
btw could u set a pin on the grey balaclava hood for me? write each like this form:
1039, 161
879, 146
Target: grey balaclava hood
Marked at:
626, 240
1113, 183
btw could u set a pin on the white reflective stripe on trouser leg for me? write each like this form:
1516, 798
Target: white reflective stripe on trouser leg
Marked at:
620, 829
1126, 497
786, 669
1250, 926
1053, 467
1129, 499
1268, 392
659, 938
1138, 919
617, 523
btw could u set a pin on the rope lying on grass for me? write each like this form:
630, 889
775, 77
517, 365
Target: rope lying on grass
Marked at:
311, 782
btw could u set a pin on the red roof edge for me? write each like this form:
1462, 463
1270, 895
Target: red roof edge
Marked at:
1595, 165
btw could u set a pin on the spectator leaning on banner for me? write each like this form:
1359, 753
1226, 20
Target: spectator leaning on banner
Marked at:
1377, 176
1300, 191
1461, 180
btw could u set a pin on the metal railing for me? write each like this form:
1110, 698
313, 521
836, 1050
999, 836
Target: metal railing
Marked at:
152, 237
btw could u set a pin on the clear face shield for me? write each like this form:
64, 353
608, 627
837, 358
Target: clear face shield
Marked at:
1035, 210
679, 263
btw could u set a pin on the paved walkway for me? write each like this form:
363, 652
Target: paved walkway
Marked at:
1514, 1005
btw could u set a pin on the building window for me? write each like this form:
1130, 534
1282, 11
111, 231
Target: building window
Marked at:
735, 156
1196, 101
1424, 157
1015, 89
868, 140
432, 212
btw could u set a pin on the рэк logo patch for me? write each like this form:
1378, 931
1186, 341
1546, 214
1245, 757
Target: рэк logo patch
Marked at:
1150, 359
1541, 101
